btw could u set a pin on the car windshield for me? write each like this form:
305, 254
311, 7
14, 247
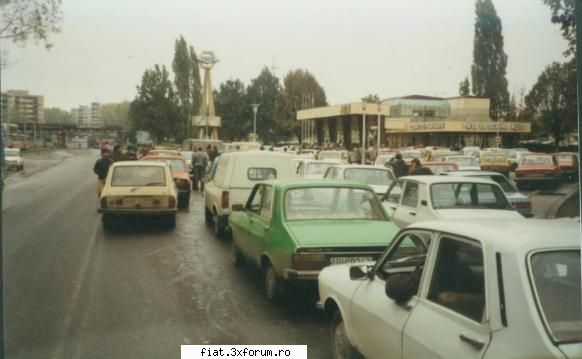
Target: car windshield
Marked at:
12, 152
437, 169
371, 176
329, 155
566, 159
332, 203
464, 161
468, 196
536, 160
175, 165
556, 282
315, 168
493, 158
136, 176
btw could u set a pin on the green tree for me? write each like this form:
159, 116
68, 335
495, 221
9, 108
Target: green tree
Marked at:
182, 66
230, 104
196, 83
563, 13
301, 90
552, 100
57, 116
372, 98
22, 19
115, 114
264, 90
489, 60
464, 87
155, 108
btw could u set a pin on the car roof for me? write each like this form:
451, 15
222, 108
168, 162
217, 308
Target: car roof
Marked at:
360, 166
256, 153
471, 173
162, 157
298, 182
430, 179
139, 163
311, 160
511, 235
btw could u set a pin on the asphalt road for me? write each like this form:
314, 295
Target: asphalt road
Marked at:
72, 291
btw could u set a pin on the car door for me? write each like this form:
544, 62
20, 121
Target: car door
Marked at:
252, 207
377, 320
260, 223
450, 317
393, 196
407, 211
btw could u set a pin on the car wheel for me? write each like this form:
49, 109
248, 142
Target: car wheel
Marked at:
171, 221
218, 227
207, 216
108, 224
237, 257
273, 285
341, 348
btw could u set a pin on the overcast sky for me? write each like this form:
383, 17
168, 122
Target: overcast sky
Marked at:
354, 48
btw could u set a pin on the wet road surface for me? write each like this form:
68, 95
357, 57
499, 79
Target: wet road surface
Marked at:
73, 291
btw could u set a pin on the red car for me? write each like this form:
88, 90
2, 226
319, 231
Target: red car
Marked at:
538, 168
180, 173
568, 162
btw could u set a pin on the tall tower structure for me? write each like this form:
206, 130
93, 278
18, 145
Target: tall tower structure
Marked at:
207, 123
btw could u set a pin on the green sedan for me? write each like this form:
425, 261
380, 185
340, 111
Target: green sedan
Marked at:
292, 229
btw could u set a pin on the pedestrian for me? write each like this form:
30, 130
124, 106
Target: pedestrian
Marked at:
101, 169
417, 168
199, 163
399, 167
130, 154
118, 153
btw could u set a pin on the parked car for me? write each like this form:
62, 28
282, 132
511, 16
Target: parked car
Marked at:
440, 167
514, 156
468, 150
538, 168
381, 160
312, 169
233, 179
496, 162
379, 178
138, 188
568, 162
292, 229
164, 152
335, 156
465, 163
518, 200
421, 198
13, 159
180, 174
461, 289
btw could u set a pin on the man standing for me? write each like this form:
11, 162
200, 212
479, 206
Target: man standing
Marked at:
399, 167
417, 168
101, 168
199, 163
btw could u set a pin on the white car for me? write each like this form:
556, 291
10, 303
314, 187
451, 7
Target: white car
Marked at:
379, 178
13, 159
461, 289
340, 157
233, 178
381, 160
465, 163
312, 169
423, 198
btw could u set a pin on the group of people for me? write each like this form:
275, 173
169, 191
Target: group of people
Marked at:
200, 161
400, 168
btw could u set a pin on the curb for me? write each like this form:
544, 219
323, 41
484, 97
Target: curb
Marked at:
553, 210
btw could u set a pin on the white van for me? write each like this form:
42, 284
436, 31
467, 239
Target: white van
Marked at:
233, 179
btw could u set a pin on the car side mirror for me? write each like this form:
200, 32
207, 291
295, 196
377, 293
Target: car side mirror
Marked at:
238, 207
360, 272
400, 287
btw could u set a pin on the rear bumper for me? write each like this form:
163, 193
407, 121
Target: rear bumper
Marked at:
127, 212
535, 179
301, 275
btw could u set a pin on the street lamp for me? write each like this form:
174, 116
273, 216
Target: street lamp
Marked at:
255, 109
364, 132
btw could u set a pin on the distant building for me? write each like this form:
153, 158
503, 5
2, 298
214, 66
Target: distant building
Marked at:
88, 116
20, 106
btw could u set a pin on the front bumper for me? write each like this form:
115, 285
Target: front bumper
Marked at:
134, 211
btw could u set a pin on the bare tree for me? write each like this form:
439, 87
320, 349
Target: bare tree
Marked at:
21, 20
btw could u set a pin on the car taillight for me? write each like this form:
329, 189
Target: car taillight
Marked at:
103, 202
171, 202
224, 199
308, 261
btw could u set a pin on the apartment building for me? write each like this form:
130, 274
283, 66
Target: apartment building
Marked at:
19, 106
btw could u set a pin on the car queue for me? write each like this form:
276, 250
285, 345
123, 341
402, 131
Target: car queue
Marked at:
390, 255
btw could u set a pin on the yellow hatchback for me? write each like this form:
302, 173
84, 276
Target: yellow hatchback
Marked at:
495, 162
138, 188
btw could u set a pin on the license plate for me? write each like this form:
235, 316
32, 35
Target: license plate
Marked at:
346, 260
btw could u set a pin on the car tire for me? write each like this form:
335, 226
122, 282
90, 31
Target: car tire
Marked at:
171, 221
341, 348
217, 227
273, 285
108, 223
207, 216
237, 258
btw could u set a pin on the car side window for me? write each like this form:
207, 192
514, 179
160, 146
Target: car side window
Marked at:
407, 255
300, 168
267, 200
255, 200
410, 197
395, 192
458, 281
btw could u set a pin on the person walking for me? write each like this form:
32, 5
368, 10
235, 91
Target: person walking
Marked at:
417, 168
399, 167
101, 169
199, 164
